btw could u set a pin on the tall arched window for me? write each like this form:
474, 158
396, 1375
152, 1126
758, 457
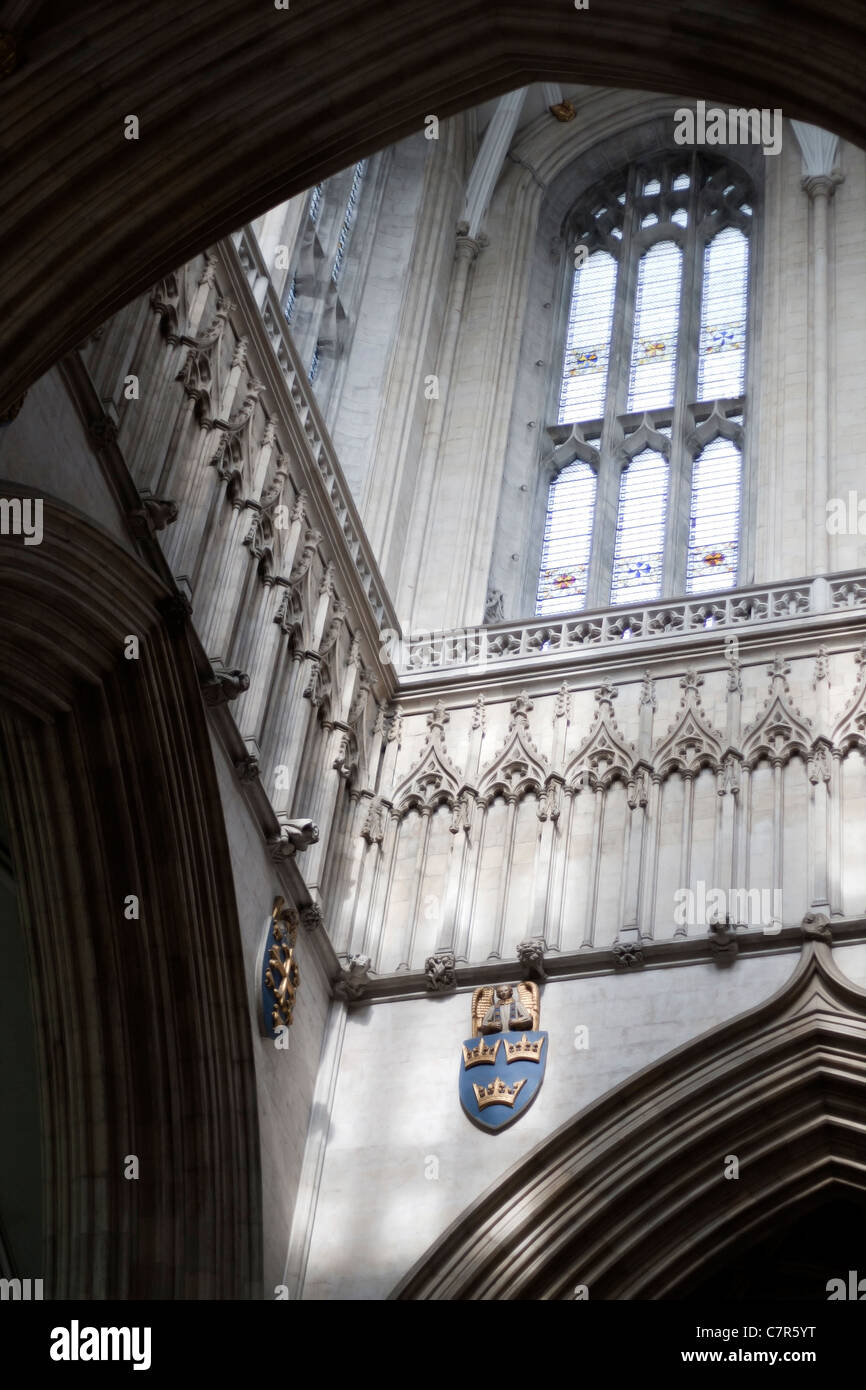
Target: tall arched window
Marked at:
652, 394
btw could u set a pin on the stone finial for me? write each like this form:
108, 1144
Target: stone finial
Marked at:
437, 718
520, 710
647, 691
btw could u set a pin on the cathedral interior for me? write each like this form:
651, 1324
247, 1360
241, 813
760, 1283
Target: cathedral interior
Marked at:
433, 631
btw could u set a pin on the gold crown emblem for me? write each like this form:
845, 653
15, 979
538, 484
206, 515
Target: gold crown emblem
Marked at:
523, 1051
497, 1093
482, 1055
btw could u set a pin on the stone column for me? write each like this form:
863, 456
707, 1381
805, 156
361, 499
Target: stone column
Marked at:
820, 178
467, 249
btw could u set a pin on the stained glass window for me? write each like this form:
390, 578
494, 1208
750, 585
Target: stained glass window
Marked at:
681, 289
291, 297
316, 202
640, 529
587, 346
656, 324
348, 219
722, 351
714, 526
567, 540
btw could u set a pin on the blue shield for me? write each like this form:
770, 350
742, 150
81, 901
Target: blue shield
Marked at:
500, 1076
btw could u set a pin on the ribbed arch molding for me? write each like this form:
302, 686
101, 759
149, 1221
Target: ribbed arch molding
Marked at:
630, 1199
237, 112
144, 1038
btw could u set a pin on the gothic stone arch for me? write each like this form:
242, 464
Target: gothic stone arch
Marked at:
219, 90
630, 1199
144, 1037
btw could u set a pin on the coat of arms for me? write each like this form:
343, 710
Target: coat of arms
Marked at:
503, 1065
280, 974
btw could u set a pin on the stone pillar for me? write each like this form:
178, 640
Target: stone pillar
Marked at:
467, 249
820, 178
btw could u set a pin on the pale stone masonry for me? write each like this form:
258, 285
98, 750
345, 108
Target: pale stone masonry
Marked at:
475, 787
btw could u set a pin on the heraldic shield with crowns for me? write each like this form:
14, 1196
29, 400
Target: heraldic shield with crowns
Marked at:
502, 1066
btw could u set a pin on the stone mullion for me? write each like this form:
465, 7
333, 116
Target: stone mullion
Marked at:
686, 839
626, 869
476, 874
834, 830
505, 884
744, 833
679, 497
420, 871
649, 880
778, 830
818, 838
592, 877
377, 920
457, 862
559, 885
633, 866
610, 467
544, 866
724, 843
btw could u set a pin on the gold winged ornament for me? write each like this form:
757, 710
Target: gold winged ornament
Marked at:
505, 1008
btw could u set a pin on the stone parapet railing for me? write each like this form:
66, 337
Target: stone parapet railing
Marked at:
574, 633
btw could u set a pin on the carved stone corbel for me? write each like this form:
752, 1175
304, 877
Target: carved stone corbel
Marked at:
224, 686
627, 955
294, 837
440, 970
816, 927
355, 977
530, 953
247, 768
311, 918
154, 514
175, 611
723, 943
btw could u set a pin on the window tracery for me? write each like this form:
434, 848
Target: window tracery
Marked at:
654, 372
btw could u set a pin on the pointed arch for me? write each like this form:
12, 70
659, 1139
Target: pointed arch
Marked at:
629, 1197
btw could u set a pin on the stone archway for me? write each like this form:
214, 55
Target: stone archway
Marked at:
240, 106
630, 1198
144, 1038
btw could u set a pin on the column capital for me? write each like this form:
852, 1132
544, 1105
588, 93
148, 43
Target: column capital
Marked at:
821, 185
468, 247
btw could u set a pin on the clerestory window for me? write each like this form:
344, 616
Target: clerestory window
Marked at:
645, 499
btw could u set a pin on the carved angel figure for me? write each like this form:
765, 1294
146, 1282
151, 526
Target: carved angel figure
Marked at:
505, 1008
